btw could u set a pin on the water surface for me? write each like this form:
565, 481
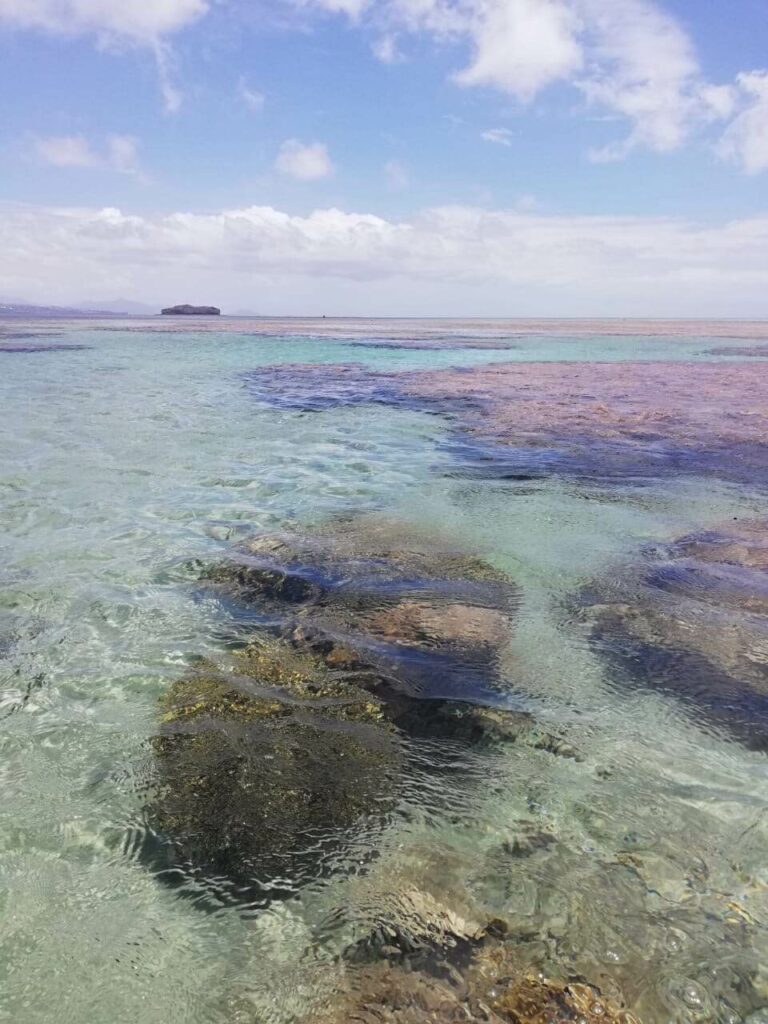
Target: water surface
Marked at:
135, 455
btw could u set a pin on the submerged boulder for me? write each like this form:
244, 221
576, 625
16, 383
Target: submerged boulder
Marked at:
360, 637
265, 770
692, 620
369, 593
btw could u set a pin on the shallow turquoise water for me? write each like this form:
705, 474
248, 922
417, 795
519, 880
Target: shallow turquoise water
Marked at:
125, 462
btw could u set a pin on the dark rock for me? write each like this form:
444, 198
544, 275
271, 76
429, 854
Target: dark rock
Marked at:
368, 637
265, 771
186, 310
692, 621
368, 594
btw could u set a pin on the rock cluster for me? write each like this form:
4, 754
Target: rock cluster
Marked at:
692, 620
492, 989
267, 766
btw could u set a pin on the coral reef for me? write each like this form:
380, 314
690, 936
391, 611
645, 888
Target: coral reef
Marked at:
692, 620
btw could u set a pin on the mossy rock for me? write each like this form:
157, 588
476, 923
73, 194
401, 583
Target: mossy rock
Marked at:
489, 989
265, 771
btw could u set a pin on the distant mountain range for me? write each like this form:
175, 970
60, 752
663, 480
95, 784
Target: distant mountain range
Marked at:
84, 309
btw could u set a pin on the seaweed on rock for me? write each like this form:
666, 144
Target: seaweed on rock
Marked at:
375, 637
493, 988
264, 771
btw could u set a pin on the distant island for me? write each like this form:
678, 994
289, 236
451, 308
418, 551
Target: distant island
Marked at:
187, 310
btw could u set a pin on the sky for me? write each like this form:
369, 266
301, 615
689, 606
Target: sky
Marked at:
387, 157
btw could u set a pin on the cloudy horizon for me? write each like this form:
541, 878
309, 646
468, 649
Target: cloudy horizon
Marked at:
387, 157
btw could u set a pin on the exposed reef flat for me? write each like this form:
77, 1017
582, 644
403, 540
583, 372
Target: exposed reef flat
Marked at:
599, 420
691, 620
445, 330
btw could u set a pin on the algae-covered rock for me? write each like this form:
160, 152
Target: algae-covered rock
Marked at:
370, 593
692, 620
368, 635
492, 988
404, 614
537, 1000
264, 771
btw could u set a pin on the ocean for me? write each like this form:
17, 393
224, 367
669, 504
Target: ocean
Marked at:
601, 488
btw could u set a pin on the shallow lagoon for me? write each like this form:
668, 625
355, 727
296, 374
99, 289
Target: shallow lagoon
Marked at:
131, 460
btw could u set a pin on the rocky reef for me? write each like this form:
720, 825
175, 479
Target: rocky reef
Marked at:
593, 421
187, 310
369, 636
691, 621
263, 767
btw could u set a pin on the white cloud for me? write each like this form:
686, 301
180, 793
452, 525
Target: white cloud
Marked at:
386, 50
352, 8
629, 58
120, 153
304, 161
396, 174
134, 19
114, 22
500, 136
445, 260
745, 142
522, 45
66, 151
252, 98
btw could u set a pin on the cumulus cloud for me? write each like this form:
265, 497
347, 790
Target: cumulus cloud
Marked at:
629, 58
304, 161
447, 259
119, 153
746, 140
500, 136
523, 45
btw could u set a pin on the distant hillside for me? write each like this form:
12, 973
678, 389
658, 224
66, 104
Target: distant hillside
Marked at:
22, 309
119, 306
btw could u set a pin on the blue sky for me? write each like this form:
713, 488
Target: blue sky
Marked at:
387, 156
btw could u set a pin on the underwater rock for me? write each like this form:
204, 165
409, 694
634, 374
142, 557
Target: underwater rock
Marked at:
362, 636
740, 351
412, 622
693, 621
599, 421
263, 772
368, 594
741, 543
492, 989
406, 616
19, 348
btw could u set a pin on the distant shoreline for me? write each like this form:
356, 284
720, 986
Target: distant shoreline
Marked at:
404, 328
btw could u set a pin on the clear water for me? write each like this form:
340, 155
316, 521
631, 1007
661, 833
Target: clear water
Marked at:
123, 462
